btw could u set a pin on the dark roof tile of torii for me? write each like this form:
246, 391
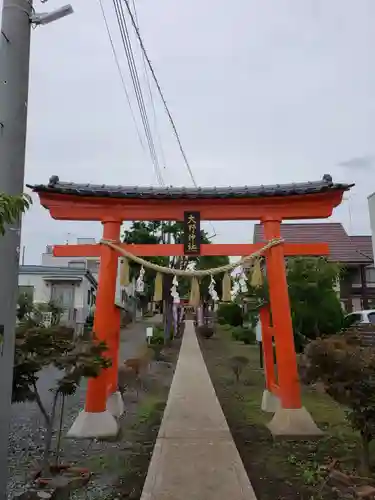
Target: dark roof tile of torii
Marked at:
343, 248
96, 190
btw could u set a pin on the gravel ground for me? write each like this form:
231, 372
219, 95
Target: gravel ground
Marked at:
27, 431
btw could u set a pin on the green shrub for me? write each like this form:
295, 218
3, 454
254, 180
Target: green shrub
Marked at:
230, 314
245, 335
226, 328
157, 337
205, 331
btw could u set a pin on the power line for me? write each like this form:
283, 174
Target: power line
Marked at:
143, 48
120, 72
160, 92
136, 84
150, 94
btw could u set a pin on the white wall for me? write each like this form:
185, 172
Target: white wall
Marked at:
42, 292
49, 259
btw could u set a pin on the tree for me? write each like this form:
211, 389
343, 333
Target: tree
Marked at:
11, 208
156, 232
347, 371
315, 305
37, 348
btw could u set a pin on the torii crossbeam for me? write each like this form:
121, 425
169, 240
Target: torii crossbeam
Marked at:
111, 205
231, 249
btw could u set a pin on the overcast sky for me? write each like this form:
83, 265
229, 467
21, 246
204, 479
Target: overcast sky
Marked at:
262, 91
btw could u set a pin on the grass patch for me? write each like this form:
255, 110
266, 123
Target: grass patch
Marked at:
148, 407
278, 469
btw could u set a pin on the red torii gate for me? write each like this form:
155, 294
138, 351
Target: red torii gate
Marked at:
111, 205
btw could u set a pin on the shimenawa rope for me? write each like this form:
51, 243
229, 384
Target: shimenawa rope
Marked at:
192, 273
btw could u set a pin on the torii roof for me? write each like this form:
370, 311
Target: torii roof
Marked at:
135, 192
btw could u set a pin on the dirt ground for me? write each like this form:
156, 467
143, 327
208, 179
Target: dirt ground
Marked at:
278, 469
119, 466
119, 469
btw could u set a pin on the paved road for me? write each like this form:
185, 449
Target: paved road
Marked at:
26, 433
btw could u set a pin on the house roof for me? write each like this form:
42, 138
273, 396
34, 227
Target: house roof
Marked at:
58, 272
343, 248
364, 245
133, 192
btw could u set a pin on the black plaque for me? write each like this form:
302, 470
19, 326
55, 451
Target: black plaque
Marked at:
192, 233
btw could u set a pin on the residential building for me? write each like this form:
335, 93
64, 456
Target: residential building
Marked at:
89, 263
73, 289
354, 253
71, 282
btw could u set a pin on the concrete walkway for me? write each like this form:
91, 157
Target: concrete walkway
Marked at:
195, 457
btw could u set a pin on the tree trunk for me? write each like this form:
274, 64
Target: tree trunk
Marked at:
48, 438
365, 458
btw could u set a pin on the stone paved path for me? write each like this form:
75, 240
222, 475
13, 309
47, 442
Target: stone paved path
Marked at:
195, 456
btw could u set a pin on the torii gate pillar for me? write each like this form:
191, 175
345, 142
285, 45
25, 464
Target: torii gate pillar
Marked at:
290, 418
98, 417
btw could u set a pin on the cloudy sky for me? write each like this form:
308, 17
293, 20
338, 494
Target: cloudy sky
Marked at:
262, 91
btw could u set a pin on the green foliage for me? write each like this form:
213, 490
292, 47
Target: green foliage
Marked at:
315, 306
230, 314
157, 342
32, 314
245, 335
47, 307
25, 307
157, 232
158, 336
11, 208
238, 364
347, 371
37, 348
206, 331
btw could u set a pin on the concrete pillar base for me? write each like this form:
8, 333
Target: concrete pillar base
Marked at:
93, 425
270, 402
115, 404
294, 424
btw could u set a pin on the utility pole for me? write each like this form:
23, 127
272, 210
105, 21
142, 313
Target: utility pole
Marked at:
14, 90
17, 17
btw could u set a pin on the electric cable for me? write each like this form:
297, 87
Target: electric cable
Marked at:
156, 81
114, 52
137, 87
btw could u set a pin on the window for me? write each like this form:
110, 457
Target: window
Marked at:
371, 318
93, 266
356, 277
79, 264
370, 275
352, 319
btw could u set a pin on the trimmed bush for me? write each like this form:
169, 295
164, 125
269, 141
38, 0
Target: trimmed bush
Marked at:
230, 314
245, 335
158, 337
205, 331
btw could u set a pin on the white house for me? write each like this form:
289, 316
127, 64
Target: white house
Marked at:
74, 289
70, 281
89, 263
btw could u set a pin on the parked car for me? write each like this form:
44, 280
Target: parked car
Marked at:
366, 316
